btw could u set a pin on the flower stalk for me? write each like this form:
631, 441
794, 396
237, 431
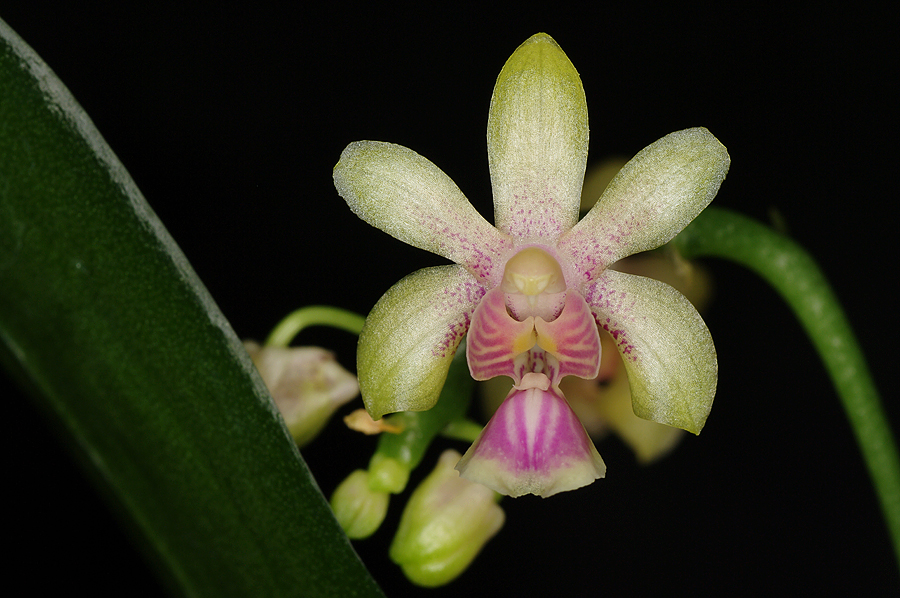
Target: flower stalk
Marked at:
790, 269
361, 510
420, 428
314, 315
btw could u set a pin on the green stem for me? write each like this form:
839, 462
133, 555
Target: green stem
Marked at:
314, 315
795, 275
421, 427
462, 429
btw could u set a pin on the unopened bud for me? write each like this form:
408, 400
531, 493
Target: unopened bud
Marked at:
387, 474
445, 524
308, 385
359, 509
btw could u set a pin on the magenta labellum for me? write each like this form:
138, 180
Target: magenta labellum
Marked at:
534, 444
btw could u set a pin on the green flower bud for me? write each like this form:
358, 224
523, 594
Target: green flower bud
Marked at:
357, 508
387, 474
445, 524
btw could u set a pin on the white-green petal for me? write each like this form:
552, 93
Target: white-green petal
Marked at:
655, 195
537, 141
405, 195
667, 349
410, 337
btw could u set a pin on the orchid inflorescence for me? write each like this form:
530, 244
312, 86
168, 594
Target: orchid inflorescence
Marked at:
531, 293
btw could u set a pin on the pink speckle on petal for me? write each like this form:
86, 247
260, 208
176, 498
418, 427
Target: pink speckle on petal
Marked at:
612, 310
458, 302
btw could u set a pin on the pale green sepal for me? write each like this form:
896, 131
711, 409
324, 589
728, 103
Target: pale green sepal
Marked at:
405, 195
410, 337
537, 141
655, 195
667, 349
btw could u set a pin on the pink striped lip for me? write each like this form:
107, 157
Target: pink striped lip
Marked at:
534, 444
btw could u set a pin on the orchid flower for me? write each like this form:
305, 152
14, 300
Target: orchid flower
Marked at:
532, 291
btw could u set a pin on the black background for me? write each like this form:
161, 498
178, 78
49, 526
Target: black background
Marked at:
230, 121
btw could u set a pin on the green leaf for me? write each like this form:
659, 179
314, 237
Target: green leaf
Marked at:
122, 342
